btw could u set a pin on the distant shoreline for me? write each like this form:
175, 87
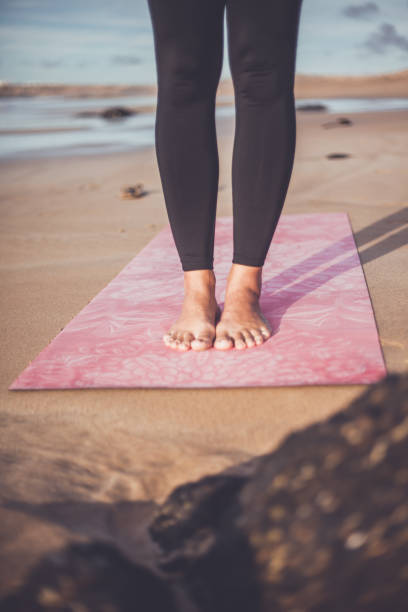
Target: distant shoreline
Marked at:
392, 84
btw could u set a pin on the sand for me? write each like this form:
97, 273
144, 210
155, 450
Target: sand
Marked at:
93, 463
389, 84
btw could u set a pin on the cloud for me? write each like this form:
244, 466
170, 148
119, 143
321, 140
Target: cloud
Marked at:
125, 59
356, 11
386, 36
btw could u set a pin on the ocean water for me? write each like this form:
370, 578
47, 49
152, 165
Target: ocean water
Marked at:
49, 41
58, 132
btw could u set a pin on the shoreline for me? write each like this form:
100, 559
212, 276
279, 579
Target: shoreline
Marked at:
383, 85
224, 124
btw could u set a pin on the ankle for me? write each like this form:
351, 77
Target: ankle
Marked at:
246, 279
202, 281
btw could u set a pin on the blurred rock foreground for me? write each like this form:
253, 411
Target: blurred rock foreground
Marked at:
320, 524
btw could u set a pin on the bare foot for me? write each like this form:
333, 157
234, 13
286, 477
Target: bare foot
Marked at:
195, 328
242, 322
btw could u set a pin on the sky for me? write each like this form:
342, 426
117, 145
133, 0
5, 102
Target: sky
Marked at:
100, 41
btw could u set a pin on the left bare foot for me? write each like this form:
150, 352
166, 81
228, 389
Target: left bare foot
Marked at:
242, 322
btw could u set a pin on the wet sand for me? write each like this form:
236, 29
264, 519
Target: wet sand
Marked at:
92, 463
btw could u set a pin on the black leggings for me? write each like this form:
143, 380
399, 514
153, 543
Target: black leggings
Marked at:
262, 42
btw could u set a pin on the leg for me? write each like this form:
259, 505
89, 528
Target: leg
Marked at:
262, 39
262, 43
188, 37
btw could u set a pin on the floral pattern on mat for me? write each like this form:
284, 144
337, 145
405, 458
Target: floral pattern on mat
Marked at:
313, 292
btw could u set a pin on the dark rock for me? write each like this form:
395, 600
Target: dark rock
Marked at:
116, 112
338, 121
132, 191
344, 121
337, 155
190, 506
319, 525
312, 107
90, 577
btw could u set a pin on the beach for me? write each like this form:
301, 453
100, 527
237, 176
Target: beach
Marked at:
80, 464
391, 84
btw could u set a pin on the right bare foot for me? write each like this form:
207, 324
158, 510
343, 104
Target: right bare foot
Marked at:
195, 328
242, 323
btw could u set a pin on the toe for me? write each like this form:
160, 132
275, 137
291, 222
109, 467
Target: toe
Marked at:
223, 341
178, 342
182, 345
265, 332
249, 339
239, 340
187, 338
168, 338
256, 333
202, 342
174, 341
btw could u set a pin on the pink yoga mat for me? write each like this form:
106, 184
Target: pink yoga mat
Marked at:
314, 294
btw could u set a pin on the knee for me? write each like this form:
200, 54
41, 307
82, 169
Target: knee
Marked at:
184, 84
258, 87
